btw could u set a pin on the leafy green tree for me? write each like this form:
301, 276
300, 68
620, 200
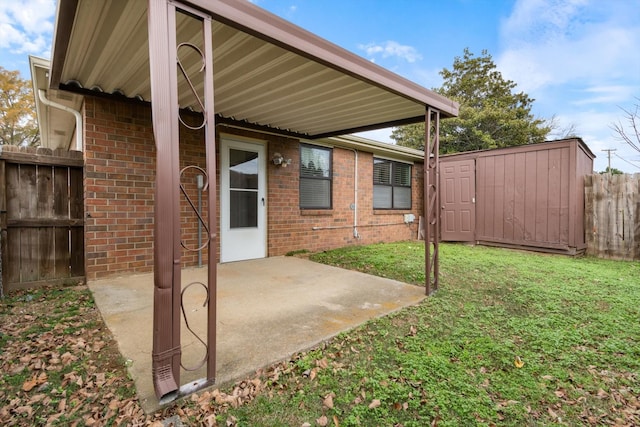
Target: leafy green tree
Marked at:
491, 115
612, 171
18, 124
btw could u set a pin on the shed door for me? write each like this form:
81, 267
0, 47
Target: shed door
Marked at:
458, 197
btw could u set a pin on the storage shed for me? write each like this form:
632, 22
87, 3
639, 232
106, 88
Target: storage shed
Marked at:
529, 196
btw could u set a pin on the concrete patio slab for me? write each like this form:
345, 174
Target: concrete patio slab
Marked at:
268, 309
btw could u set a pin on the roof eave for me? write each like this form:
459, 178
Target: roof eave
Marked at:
65, 15
376, 147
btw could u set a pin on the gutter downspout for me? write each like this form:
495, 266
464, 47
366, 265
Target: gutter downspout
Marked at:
77, 115
355, 195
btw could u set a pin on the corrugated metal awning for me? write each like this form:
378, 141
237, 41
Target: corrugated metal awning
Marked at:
267, 71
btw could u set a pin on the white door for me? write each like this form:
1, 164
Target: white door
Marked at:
243, 212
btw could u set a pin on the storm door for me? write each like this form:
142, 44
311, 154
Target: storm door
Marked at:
243, 204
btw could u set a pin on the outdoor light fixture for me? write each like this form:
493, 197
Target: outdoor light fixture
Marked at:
278, 160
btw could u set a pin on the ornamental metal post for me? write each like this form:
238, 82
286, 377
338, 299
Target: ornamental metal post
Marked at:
164, 63
431, 200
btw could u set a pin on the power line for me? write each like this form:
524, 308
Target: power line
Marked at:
627, 161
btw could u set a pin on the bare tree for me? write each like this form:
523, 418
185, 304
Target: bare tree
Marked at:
561, 132
629, 134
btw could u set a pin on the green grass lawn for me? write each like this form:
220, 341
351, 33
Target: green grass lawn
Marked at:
451, 361
574, 323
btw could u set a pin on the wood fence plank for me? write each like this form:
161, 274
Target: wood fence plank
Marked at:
4, 284
76, 211
77, 252
44, 201
76, 193
13, 258
12, 175
612, 210
61, 192
46, 253
29, 254
28, 193
62, 256
45, 204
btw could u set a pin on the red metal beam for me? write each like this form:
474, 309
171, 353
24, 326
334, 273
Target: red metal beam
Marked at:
210, 147
431, 201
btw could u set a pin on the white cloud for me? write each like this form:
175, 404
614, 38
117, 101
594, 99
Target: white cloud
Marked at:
391, 49
553, 42
26, 26
605, 94
578, 59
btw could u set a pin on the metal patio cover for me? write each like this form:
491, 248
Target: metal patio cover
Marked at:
268, 73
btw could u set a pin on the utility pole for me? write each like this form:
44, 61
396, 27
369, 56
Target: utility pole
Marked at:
609, 156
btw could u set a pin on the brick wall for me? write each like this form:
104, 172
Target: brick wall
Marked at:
292, 228
120, 185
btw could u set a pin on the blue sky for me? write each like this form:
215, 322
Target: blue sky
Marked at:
579, 59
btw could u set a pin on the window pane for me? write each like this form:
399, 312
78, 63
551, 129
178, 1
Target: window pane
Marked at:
243, 169
401, 198
243, 208
382, 197
315, 193
315, 162
402, 174
381, 171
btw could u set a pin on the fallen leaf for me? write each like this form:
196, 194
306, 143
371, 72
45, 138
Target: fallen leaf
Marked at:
328, 401
552, 413
413, 330
24, 410
335, 421
322, 363
29, 384
37, 398
374, 403
322, 421
518, 363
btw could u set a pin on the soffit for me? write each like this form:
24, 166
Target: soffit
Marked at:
265, 79
57, 127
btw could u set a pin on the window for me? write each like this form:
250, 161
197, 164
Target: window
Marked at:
315, 177
391, 184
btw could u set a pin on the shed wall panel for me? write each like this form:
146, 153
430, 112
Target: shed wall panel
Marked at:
498, 198
541, 196
509, 194
533, 195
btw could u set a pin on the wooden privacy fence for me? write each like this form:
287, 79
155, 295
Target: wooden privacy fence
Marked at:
612, 216
41, 217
